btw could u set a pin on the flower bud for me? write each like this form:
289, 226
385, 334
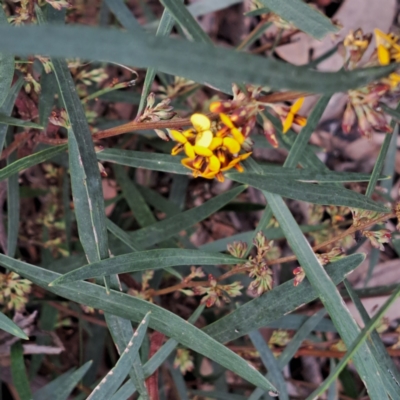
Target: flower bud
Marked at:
237, 249
162, 135
299, 276
349, 118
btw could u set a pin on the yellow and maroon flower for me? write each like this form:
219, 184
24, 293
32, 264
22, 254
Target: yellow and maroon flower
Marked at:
387, 46
293, 117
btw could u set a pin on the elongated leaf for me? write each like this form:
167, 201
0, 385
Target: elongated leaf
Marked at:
168, 227
121, 332
306, 175
138, 159
186, 20
196, 61
7, 107
133, 308
208, 6
9, 326
124, 15
328, 294
5, 119
116, 376
61, 388
13, 208
30, 161
18, 372
311, 193
274, 304
48, 89
6, 66
270, 362
307, 19
145, 260
362, 336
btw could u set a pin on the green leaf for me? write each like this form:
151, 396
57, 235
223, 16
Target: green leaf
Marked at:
13, 208
140, 159
30, 161
181, 14
328, 294
311, 193
18, 372
124, 15
9, 326
362, 336
208, 6
6, 66
276, 303
168, 227
110, 383
48, 85
306, 175
145, 260
270, 362
121, 332
5, 119
304, 17
61, 387
7, 107
133, 308
200, 62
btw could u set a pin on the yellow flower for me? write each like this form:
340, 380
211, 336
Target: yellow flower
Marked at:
293, 117
235, 132
387, 47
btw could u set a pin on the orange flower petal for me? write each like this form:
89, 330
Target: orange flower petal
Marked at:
288, 122
295, 108
177, 149
383, 55
226, 120
189, 150
237, 135
244, 156
213, 163
204, 138
200, 122
299, 120
202, 151
216, 142
232, 145
177, 136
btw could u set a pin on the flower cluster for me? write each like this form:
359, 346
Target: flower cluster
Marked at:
14, 291
258, 266
215, 293
363, 103
183, 361
211, 148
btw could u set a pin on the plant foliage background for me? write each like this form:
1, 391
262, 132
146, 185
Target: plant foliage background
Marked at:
131, 272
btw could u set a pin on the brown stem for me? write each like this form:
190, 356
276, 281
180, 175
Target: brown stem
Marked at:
156, 341
281, 260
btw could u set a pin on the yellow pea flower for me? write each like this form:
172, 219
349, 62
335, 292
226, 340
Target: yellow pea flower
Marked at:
293, 117
387, 47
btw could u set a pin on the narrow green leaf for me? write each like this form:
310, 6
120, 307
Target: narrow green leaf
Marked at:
139, 159
362, 336
121, 332
381, 355
48, 89
5, 119
9, 326
133, 197
168, 227
30, 161
328, 294
13, 208
6, 65
311, 193
181, 14
208, 6
61, 388
179, 381
7, 107
304, 17
212, 65
306, 175
18, 372
124, 15
270, 362
276, 303
214, 394
116, 375
145, 260
133, 308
